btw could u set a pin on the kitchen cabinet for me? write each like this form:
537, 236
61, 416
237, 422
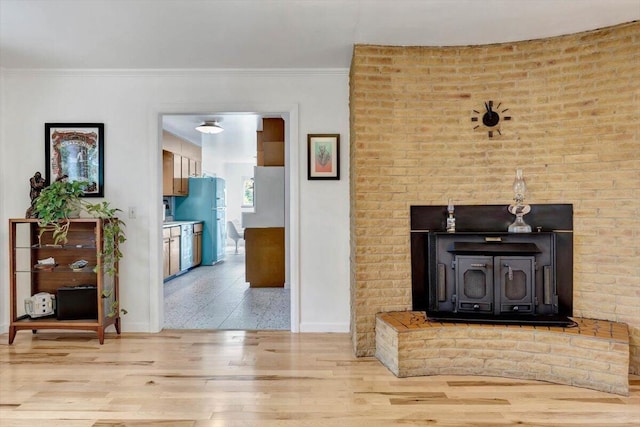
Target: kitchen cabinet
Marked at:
166, 253
171, 250
195, 168
264, 262
180, 175
176, 170
174, 251
173, 183
90, 294
270, 143
184, 175
197, 243
167, 173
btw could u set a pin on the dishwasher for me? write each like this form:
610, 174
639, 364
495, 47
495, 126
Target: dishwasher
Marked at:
186, 246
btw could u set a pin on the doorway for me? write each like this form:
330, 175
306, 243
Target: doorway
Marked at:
217, 296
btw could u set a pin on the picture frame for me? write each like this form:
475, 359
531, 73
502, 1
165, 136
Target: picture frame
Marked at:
323, 156
77, 151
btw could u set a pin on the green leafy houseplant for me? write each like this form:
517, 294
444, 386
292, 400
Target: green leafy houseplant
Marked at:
55, 205
61, 201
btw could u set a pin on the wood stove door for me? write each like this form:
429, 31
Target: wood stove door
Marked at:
474, 283
515, 280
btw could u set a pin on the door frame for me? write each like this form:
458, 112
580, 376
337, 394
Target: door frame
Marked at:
289, 113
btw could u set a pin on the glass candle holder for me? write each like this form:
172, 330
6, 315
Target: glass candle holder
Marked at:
519, 208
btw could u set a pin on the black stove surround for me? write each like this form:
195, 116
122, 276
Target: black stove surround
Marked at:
484, 274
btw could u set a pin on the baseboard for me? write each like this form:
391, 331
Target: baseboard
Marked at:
324, 327
141, 327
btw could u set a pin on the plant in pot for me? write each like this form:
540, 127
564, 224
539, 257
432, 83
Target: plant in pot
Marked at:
62, 201
55, 205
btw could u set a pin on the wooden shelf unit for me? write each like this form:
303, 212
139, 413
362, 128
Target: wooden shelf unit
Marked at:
85, 241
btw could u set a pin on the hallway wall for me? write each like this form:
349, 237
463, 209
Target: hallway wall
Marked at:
129, 102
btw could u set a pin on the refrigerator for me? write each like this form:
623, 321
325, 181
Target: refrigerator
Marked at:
206, 202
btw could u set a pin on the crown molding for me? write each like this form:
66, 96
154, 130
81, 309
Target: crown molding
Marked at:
176, 72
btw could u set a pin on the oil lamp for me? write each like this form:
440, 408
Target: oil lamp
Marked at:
519, 208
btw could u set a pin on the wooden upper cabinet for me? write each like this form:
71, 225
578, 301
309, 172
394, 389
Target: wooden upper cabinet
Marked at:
175, 174
167, 173
273, 129
270, 143
184, 176
273, 153
195, 168
180, 160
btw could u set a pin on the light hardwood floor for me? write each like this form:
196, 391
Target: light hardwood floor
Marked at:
268, 378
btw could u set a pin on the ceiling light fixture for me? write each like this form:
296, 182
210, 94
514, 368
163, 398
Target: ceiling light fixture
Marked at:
211, 127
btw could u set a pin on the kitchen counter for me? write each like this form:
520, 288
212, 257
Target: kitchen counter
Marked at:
181, 246
177, 223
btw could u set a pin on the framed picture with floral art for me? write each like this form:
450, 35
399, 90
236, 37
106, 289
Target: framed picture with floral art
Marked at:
323, 156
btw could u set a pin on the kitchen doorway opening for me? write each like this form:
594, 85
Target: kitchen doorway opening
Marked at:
215, 294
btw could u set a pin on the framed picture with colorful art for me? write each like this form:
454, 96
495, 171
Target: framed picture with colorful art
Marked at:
75, 152
323, 156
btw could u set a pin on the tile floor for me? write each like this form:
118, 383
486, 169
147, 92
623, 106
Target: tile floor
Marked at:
217, 297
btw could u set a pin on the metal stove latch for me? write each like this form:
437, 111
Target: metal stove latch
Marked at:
510, 272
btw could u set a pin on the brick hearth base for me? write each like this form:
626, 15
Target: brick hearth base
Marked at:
594, 355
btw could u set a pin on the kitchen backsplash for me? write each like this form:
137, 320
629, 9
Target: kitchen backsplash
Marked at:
168, 205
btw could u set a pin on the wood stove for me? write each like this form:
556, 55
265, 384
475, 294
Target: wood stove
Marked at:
481, 273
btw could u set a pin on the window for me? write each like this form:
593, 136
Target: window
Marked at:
247, 191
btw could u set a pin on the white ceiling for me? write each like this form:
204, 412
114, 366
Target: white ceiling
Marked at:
272, 33
237, 144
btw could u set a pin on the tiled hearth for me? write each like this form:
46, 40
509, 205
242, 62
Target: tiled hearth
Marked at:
594, 354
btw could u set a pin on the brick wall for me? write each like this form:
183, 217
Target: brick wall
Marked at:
575, 107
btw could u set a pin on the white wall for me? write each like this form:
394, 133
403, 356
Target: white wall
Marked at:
234, 174
269, 199
129, 103
213, 155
